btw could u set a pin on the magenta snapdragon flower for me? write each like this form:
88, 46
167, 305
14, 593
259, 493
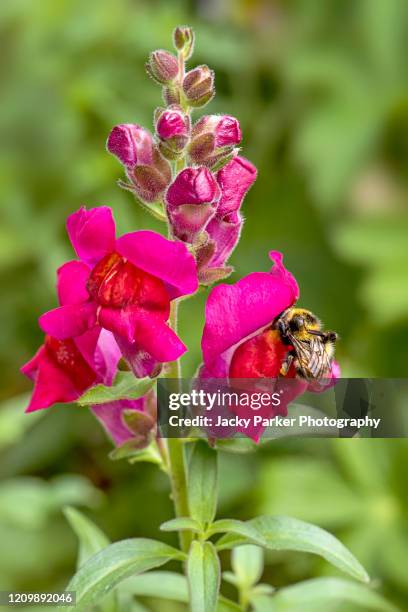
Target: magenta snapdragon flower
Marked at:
238, 341
125, 286
62, 370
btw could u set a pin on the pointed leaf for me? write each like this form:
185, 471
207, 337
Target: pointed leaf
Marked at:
103, 571
203, 483
91, 538
321, 594
181, 524
287, 533
130, 450
226, 605
125, 386
165, 585
239, 528
248, 564
203, 573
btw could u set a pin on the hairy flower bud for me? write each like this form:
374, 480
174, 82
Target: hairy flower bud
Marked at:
191, 202
183, 38
151, 181
173, 129
213, 139
198, 86
131, 144
162, 66
146, 168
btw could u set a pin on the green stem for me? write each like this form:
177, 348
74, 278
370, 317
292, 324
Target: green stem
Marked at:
175, 447
176, 455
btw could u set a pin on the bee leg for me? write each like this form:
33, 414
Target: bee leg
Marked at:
330, 336
286, 364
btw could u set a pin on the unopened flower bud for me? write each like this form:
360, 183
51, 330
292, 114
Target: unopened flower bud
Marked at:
183, 38
131, 144
172, 122
162, 66
213, 138
198, 86
146, 168
150, 181
224, 229
191, 202
173, 129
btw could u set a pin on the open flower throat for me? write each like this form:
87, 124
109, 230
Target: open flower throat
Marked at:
259, 357
115, 282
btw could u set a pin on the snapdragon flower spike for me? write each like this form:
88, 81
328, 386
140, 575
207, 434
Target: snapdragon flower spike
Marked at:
145, 167
238, 341
62, 370
173, 130
126, 286
224, 229
213, 138
191, 202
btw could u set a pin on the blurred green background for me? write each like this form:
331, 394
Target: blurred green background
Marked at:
321, 91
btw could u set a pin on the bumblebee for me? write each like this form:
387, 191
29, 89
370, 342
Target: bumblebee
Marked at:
312, 349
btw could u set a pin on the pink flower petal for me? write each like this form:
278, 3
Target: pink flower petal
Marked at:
235, 179
71, 283
158, 339
110, 416
226, 235
234, 312
107, 355
120, 321
30, 368
69, 321
165, 259
140, 361
92, 233
51, 386
87, 343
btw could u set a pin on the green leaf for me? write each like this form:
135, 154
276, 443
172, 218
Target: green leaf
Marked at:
103, 571
321, 593
239, 528
239, 446
91, 541
91, 538
181, 524
287, 533
125, 386
165, 585
248, 564
203, 572
226, 605
130, 450
203, 483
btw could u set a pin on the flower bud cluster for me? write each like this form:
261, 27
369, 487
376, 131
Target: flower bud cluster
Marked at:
189, 170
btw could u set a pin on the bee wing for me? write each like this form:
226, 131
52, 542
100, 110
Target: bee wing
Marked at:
313, 360
319, 364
